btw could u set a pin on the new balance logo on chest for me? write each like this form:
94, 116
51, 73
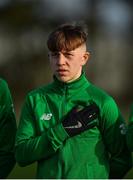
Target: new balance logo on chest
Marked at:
46, 116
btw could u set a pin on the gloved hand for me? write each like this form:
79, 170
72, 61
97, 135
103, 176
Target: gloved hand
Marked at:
79, 120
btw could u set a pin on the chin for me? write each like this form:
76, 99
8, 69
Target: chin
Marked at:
63, 79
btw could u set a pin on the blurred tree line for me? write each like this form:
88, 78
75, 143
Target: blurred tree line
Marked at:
25, 25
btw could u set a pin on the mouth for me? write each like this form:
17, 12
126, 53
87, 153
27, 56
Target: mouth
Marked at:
61, 71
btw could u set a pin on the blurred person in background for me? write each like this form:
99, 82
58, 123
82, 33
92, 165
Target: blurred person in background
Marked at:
130, 130
72, 128
7, 130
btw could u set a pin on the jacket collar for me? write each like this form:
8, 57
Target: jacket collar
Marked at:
72, 87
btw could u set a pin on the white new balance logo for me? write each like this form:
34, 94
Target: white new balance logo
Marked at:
123, 128
46, 116
78, 125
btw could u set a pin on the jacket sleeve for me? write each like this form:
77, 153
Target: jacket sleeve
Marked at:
31, 147
130, 130
114, 135
7, 131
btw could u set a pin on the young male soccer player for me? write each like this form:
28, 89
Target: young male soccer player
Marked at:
7, 131
130, 130
70, 127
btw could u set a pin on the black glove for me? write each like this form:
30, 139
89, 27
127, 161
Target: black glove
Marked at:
78, 121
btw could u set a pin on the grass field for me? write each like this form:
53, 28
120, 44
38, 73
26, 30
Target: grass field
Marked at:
27, 172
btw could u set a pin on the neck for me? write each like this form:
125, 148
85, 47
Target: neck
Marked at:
75, 77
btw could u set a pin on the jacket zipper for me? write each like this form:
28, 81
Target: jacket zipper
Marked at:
64, 101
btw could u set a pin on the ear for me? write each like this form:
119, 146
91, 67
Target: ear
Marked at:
86, 57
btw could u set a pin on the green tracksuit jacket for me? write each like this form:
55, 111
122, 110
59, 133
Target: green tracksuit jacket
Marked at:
7, 130
130, 131
91, 154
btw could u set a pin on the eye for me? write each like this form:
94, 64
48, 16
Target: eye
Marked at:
54, 54
68, 55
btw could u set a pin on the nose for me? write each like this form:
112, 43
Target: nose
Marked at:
61, 59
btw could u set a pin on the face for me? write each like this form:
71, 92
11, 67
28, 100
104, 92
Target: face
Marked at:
67, 65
